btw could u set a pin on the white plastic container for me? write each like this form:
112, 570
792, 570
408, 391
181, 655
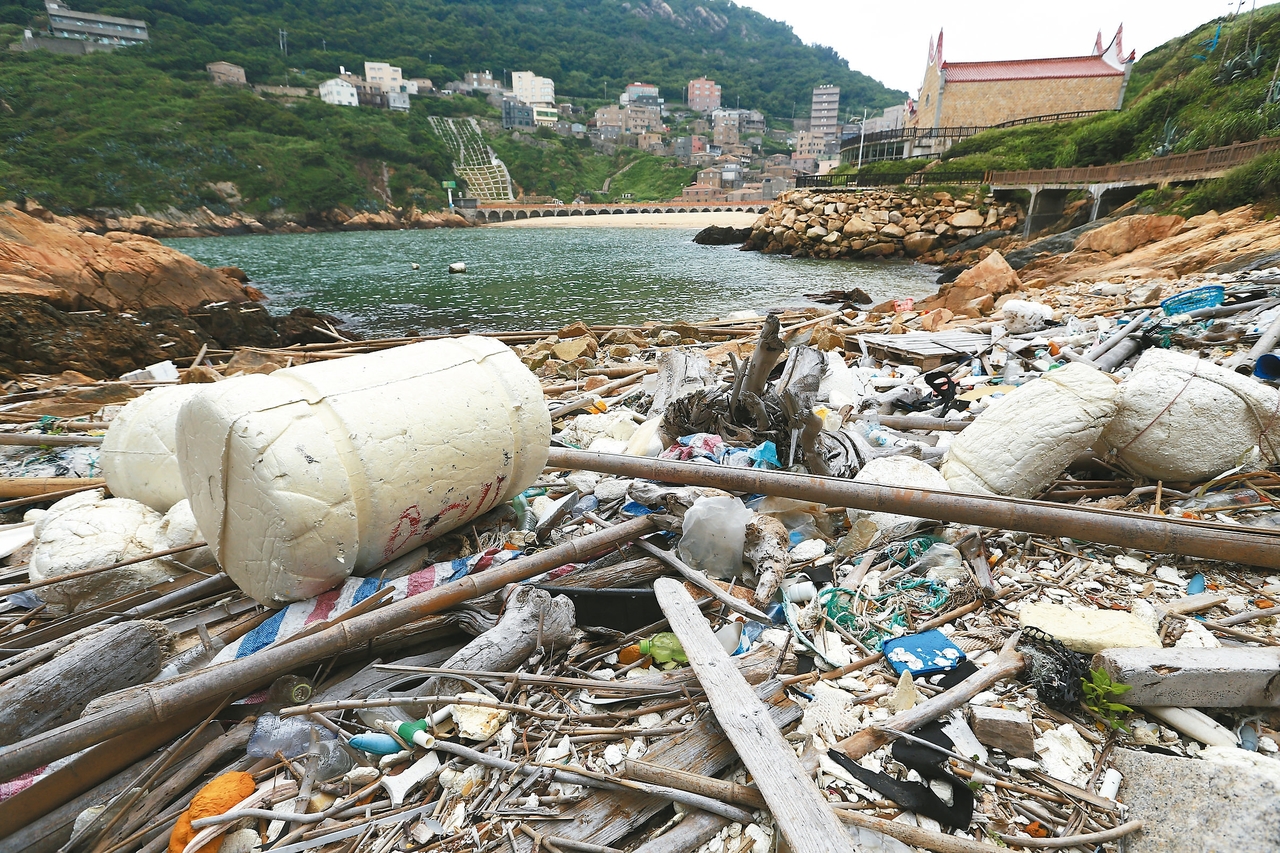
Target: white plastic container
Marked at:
303, 476
138, 454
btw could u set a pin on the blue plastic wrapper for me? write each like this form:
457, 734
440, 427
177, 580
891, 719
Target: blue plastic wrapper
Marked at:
922, 654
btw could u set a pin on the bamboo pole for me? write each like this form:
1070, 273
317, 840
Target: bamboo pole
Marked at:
35, 487
31, 440
1156, 534
167, 700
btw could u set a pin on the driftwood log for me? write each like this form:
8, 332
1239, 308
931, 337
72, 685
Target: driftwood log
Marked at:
532, 619
56, 692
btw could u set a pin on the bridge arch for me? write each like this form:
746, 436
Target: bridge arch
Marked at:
522, 214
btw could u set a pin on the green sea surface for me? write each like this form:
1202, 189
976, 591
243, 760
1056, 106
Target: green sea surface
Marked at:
534, 278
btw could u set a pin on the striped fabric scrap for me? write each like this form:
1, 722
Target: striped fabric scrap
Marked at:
295, 617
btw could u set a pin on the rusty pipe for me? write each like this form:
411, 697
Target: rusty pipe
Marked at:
157, 703
1156, 534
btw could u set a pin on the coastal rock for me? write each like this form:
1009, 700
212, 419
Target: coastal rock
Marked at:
973, 293
1126, 234
75, 270
894, 231
721, 235
967, 219
857, 226
919, 243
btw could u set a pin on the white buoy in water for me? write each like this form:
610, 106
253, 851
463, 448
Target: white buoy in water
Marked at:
457, 266
413, 266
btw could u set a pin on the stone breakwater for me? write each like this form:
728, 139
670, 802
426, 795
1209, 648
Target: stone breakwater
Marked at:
877, 224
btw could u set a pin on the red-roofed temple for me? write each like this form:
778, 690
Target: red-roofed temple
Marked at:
983, 94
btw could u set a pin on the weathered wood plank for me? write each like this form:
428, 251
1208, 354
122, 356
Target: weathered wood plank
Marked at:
798, 808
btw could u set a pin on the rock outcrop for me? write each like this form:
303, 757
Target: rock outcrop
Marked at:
850, 224
975, 291
75, 270
1130, 232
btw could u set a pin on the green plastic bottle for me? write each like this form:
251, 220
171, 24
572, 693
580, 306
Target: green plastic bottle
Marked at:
665, 649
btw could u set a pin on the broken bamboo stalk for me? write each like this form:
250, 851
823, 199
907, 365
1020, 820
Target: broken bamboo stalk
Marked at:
165, 701
45, 487
1156, 534
29, 440
799, 810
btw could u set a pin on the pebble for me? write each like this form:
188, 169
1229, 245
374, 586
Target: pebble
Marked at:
607, 491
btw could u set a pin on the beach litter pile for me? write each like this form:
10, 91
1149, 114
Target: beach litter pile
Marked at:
807, 580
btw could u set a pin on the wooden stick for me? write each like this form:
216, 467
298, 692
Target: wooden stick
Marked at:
1074, 840
802, 815
22, 439
720, 789
44, 488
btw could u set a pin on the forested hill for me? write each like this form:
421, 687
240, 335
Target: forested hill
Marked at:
591, 48
144, 127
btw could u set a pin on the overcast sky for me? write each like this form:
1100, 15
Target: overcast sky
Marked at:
890, 40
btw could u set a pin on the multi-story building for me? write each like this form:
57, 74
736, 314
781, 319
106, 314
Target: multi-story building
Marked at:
532, 89
388, 78
398, 101
810, 144
704, 95
702, 193
226, 74
340, 92
683, 148
640, 93
101, 30
709, 177
482, 81
516, 115
824, 111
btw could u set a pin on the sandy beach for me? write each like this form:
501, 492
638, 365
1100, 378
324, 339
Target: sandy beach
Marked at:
736, 219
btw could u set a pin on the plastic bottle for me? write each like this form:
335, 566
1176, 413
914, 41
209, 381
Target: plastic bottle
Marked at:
715, 532
664, 647
335, 758
290, 736
392, 715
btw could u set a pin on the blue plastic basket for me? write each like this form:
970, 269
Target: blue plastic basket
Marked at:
1209, 296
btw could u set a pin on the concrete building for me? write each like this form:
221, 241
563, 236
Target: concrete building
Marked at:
982, 94
388, 78
709, 177
398, 101
683, 148
893, 118
226, 74
516, 115
824, 111
106, 32
702, 193
810, 144
545, 116
422, 84
532, 89
651, 142
704, 95
339, 92
640, 93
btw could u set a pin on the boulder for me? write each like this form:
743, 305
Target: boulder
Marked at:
894, 231
75, 270
919, 243
992, 277
857, 226
966, 219
1126, 234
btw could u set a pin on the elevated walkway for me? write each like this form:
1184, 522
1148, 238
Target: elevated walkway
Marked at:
1114, 184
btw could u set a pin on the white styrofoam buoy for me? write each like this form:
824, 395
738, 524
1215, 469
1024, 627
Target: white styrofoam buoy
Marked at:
137, 455
303, 476
413, 266
457, 266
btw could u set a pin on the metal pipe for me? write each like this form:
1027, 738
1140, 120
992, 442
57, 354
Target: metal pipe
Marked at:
164, 701
1161, 535
1118, 354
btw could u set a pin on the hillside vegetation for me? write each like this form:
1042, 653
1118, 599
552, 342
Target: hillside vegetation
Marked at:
144, 127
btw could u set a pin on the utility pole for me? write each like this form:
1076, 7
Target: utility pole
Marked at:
284, 42
862, 135
324, 46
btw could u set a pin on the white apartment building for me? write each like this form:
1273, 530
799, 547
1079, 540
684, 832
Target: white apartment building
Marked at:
533, 90
340, 92
824, 112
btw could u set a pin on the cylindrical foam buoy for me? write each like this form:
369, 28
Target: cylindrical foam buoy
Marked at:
137, 455
303, 476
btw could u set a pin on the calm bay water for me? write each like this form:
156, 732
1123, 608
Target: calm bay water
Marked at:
534, 278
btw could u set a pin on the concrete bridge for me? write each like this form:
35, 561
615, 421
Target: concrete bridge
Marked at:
1113, 185
510, 212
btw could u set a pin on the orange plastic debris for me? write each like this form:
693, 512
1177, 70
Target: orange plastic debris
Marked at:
218, 797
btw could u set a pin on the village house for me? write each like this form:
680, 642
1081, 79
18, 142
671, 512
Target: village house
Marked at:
339, 92
226, 74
